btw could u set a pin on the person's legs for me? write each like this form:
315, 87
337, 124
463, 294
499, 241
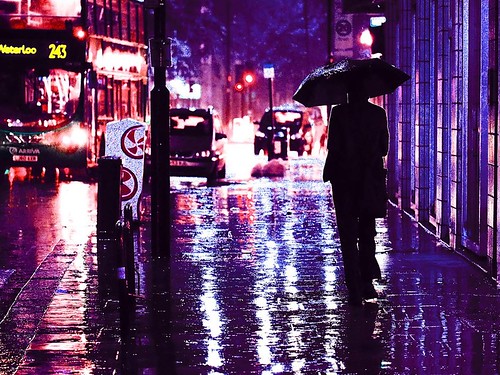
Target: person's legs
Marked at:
369, 267
347, 225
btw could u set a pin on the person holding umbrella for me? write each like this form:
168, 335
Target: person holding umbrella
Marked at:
358, 141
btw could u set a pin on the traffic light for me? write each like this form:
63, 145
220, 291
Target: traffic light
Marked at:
249, 77
238, 77
249, 73
244, 76
238, 87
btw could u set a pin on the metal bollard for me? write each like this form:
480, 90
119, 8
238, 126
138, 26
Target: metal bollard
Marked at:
108, 214
124, 301
129, 248
125, 267
108, 196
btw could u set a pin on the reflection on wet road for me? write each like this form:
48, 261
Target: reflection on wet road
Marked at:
258, 288
257, 280
45, 234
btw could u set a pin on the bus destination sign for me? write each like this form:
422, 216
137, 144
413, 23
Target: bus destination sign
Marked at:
50, 51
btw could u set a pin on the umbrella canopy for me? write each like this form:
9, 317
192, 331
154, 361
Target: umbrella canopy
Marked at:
330, 84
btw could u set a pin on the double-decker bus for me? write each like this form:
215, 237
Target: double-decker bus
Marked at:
67, 68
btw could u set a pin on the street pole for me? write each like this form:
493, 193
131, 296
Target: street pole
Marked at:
329, 29
329, 49
228, 112
249, 95
269, 75
159, 47
270, 149
160, 146
242, 103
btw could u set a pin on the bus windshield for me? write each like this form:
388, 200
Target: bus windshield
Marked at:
33, 100
38, 14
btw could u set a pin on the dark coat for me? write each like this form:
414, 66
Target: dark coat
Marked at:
358, 139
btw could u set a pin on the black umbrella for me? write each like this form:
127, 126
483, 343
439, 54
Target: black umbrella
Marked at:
329, 84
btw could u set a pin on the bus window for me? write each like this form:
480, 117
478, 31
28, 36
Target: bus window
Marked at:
38, 98
56, 8
59, 92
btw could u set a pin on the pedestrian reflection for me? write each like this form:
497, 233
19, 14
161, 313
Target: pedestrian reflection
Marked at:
362, 349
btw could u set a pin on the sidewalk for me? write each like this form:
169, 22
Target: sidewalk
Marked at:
257, 288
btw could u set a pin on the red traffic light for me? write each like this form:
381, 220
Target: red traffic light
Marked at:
249, 78
239, 86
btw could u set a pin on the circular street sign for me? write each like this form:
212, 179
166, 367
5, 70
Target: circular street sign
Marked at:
343, 27
133, 142
129, 185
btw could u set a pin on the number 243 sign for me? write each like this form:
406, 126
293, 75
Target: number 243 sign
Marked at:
57, 51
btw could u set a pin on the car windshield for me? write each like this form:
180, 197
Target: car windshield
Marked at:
287, 117
189, 125
292, 120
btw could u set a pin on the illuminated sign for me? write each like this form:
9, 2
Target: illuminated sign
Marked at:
58, 51
268, 71
109, 57
53, 50
59, 48
7, 49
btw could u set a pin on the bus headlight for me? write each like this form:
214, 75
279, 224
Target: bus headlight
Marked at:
76, 138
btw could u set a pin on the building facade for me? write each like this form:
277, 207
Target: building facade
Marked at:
443, 162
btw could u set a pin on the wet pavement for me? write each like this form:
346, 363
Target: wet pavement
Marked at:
256, 287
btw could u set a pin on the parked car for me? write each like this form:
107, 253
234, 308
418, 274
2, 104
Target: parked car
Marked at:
197, 143
287, 132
